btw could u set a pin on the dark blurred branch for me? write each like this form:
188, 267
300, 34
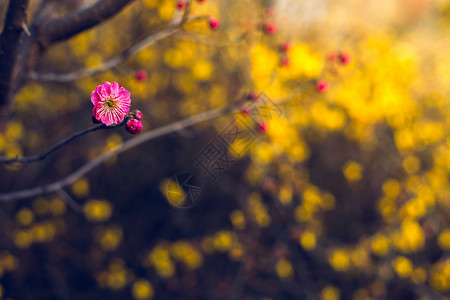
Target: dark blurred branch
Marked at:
115, 61
79, 21
55, 147
10, 39
150, 135
109, 64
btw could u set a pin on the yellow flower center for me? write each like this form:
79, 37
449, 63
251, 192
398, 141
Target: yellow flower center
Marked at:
111, 103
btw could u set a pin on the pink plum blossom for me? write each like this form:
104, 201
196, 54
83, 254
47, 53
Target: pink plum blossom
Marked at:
111, 103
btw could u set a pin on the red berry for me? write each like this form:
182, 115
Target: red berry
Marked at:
322, 85
141, 75
181, 5
344, 58
201, 0
270, 28
214, 23
134, 126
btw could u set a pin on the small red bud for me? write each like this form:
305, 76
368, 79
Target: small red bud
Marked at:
181, 5
134, 126
332, 56
201, 0
322, 85
246, 111
270, 28
141, 75
285, 61
253, 96
262, 127
286, 47
214, 23
344, 58
137, 114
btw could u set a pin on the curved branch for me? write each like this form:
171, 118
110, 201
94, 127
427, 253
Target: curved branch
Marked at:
79, 21
145, 137
150, 135
57, 146
109, 64
115, 61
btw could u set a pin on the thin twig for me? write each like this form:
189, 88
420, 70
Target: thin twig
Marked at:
69, 200
145, 137
207, 41
115, 61
55, 147
150, 135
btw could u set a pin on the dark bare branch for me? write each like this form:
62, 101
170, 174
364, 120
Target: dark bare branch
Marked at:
57, 146
10, 40
109, 64
79, 21
115, 61
150, 135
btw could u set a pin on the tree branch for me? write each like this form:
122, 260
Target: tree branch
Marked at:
150, 135
10, 39
76, 22
115, 61
57, 146
145, 137
109, 64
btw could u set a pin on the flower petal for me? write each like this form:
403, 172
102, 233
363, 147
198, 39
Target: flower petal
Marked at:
114, 89
106, 89
124, 96
95, 98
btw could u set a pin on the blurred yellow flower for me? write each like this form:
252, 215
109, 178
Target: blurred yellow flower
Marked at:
402, 266
24, 216
284, 268
444, 239
97, 210
308, 240
142, 289
352, 171
339, 260
330, 293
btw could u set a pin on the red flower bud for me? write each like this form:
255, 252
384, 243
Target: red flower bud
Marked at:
344, 58
262, 127
285, 61
141, 75
134, 126
181, 5
137, 114
246, 111
214, 23
322, 85
270, 28
286, 47
253, 96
